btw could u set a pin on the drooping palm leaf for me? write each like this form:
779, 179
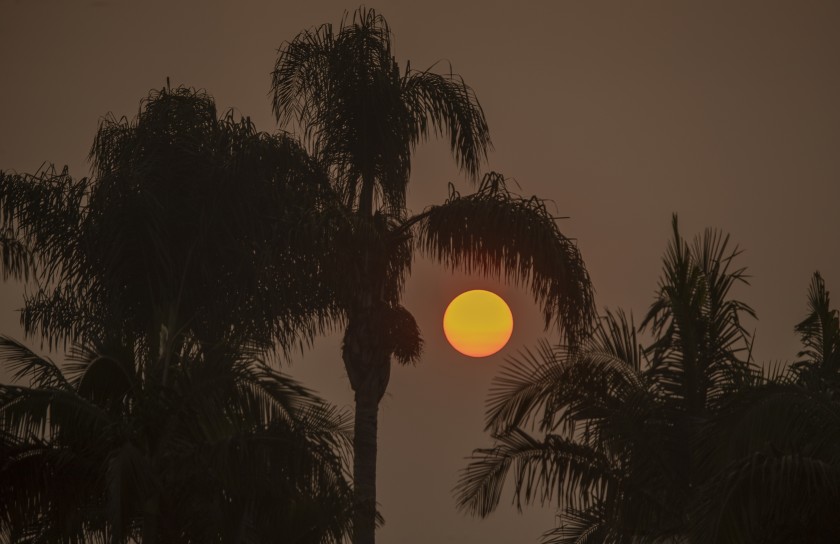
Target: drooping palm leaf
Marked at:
363, 117
15, 256
543, 471
498, 233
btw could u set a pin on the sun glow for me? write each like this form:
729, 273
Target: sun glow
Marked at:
478, 323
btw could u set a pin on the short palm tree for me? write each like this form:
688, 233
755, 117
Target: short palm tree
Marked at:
362, 116
772, 452
185, 259
616, 423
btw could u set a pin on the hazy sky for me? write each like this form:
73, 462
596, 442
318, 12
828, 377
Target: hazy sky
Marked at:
727, 113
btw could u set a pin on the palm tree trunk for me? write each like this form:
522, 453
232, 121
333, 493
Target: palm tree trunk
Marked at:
151, 517
368, 365
364, 466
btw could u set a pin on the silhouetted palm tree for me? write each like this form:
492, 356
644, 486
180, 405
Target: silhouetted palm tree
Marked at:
191, 223
617, 424
772, 452
227, 451
362, 116
191, 253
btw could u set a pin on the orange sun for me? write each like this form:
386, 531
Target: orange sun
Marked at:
478, 323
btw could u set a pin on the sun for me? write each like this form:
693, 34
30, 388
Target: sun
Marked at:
478, 323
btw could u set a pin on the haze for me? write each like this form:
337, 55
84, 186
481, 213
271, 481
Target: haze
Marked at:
725, 113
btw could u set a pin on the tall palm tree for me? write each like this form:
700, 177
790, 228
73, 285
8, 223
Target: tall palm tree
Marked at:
616, 423
361, 117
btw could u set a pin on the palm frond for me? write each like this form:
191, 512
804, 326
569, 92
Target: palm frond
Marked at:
41, 372
587, 526
15, 256
363, 118
43, 211
445, 104
497, 233
62, 315
524, 386
820, 335
557, 384
543, 471
698, 326
28, 412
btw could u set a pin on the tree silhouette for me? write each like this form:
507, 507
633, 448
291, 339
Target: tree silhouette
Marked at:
228, 450
771, 454
820, 336
361, 117
191, 222
618, 423
173, 273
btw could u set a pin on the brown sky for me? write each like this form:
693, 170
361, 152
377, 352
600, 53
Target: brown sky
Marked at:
724, 112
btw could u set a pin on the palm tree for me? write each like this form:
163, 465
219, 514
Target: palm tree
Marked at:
617, 423
229, 451
189, 255
191, 223
772, 452
361, 117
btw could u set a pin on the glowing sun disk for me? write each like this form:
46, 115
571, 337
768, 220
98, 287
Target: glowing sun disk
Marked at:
478, 323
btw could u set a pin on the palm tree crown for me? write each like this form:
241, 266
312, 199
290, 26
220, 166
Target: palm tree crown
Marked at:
618, 423
363, 116
191, 221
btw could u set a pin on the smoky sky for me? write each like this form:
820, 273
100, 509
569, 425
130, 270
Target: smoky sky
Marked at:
619, 113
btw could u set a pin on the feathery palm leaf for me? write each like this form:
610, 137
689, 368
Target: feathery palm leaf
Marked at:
697, 324
15, 256
498, 233
543, 470
820, 336
363, 117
